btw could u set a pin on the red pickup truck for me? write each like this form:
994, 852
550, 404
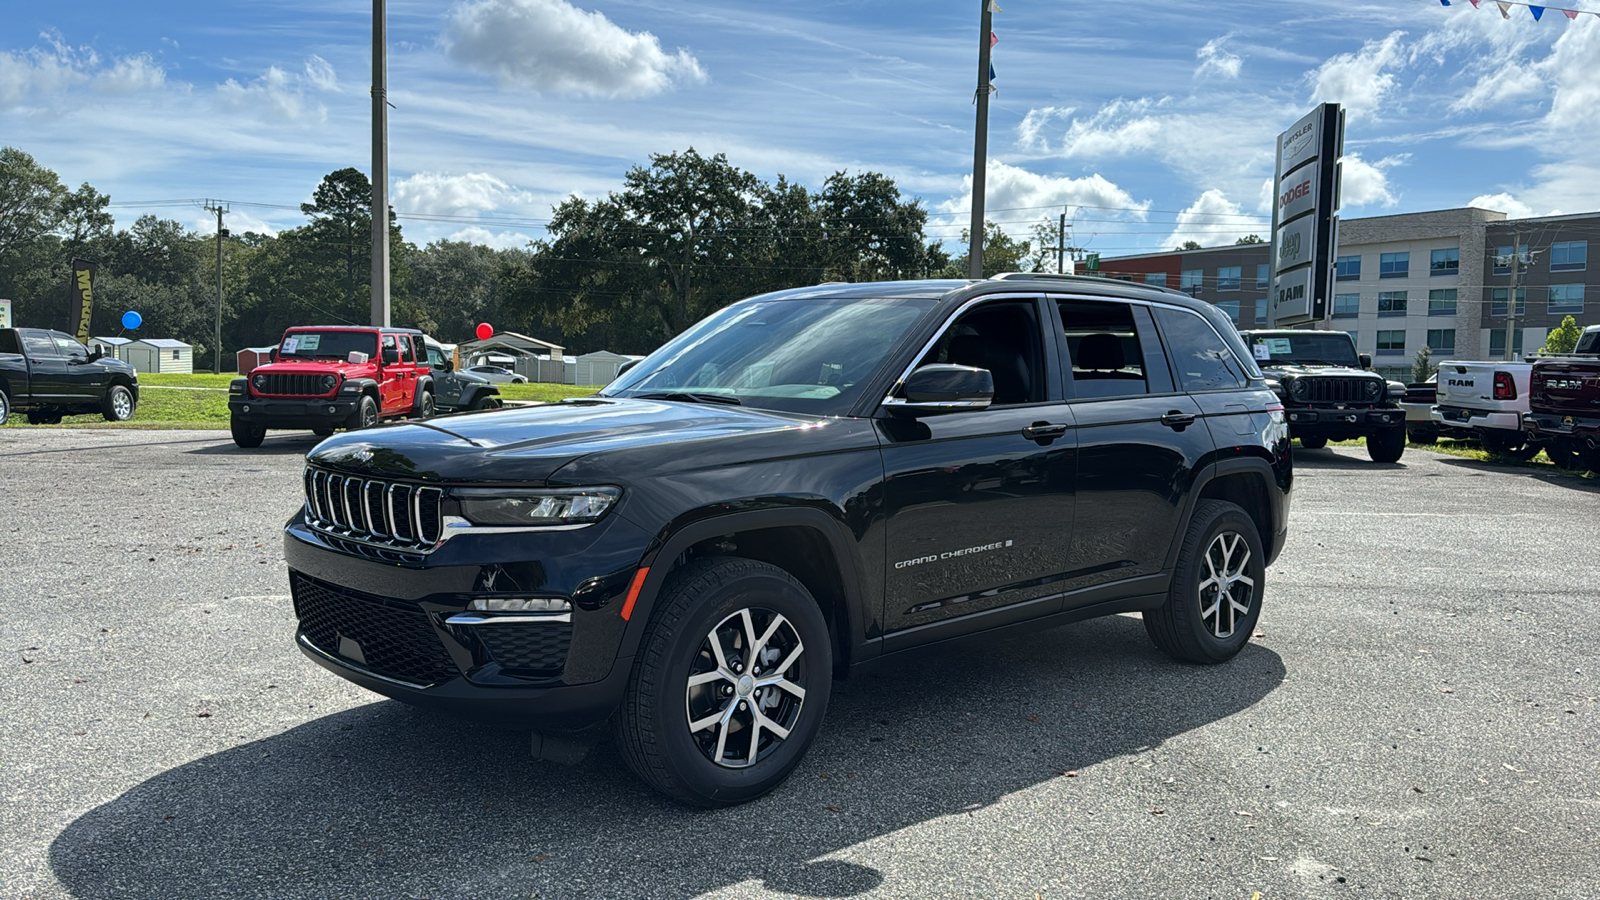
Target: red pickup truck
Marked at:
1564, 404
327, 377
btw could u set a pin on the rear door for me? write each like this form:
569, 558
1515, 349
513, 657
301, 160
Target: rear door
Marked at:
979, 504
16, 366
1209, 372
1140, 441
396, 373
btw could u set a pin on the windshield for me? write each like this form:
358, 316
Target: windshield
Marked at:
1326, 348
806, 355
327, 344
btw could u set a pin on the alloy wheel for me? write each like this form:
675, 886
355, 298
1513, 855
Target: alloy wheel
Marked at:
122, 405
743, 695
1227, 592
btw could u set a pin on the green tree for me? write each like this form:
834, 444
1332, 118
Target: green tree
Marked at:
1251, 239
1422, 367
1190, 245
1000, 254
1563, 338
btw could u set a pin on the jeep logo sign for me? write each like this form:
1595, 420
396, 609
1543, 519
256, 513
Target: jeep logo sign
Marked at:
1304, 227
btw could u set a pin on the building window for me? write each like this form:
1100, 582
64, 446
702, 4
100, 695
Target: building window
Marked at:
1566, 298
1391, 303
1190, 278
1442, 302
1497, 301
1497, 342
1346, 306
1569, 256
1502, 260
1347, 268
175, 353
1263, 276
1441, 341
1231, 307
1394, 265
1391, 343
1228, 277
1261, 311
1157, 278
1444, 262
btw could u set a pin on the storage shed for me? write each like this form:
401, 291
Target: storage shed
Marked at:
151, 355
110, 347
250, 357
599, 367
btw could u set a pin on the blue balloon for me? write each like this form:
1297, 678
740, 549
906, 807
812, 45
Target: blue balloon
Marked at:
131, 320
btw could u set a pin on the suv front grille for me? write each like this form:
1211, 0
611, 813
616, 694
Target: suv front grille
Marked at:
292, 385
389, 513
535, 649
1338, 390
395, 639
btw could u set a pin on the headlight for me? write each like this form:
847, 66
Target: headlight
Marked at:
260, 381
1373, 388
533, 508
329, 382
1299, 389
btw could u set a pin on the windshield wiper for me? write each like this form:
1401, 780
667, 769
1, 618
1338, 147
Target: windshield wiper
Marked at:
690, 397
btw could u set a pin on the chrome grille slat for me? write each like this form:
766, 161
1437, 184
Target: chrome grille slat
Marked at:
387, 514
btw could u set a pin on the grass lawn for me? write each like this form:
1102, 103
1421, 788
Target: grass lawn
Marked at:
1473, 450
201, 401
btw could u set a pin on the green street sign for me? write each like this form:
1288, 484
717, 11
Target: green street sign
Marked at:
1094, 262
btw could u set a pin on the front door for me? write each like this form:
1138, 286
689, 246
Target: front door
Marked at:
1140, 440
84, 382
47, 368
446, 384
979, 504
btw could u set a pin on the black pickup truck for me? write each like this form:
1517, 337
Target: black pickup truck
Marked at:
48, 374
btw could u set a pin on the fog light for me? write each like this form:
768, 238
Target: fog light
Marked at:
520, 604
245, 408
332, 410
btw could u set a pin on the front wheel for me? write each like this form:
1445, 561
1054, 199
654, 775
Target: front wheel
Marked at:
1215, 599
484, 401
1388, 445
247, 435
5, 407
119, 404
1422, 434
730, 683
1313, 443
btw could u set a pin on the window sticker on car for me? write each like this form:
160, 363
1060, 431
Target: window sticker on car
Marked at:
310, 341
1278, 346
1263, 352
290, 345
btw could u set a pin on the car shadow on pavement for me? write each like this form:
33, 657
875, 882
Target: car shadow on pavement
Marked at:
1547, 474
1327, 459
387, 801
299, 443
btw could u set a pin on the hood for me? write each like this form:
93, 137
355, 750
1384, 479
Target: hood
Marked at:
1296, 370
528, 444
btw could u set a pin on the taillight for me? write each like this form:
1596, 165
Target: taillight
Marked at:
1504, 387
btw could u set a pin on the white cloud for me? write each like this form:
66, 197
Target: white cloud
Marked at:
281, 95
1211, 220
131, 75
1359, 80
439, 194
551, 45
1504, 202
504, 240
1020, 198
1365, 183
237, 222
1216, 60
39, 74
1030, 133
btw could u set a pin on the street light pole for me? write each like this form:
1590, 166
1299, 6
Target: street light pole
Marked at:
980, 144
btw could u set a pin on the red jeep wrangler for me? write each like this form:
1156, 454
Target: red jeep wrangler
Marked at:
328, 377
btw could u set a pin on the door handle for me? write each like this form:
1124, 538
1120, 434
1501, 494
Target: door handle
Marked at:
1177, 419
1043, 432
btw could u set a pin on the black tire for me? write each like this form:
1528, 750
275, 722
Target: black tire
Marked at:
484, 401
1193, 625
5, 407
365, 415
118, 405
1566, 455
1422, 435
426, 408
694, 611
1511, 444
1313, 443
322, 432
44, 418
1388, 445
247, 435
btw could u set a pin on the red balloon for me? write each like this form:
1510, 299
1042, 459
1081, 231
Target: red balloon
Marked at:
485, 331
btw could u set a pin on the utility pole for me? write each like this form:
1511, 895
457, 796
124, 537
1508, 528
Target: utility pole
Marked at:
980, 143
1511, 297
1061, 244
216, 356
380, 167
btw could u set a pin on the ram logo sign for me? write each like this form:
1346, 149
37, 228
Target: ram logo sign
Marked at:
1304, 222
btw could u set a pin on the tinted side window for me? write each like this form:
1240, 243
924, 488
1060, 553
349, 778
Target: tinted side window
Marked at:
1200, 360
69, 347
1004, 337
418, 350
39, 345
8, 341
1104, 348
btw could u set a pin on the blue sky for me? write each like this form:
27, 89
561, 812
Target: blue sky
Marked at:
1148, 123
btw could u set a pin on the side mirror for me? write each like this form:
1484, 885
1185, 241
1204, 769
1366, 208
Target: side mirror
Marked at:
626, 366
96, 352
944, 388
391, 357
445, 365
1366, 360
273, 355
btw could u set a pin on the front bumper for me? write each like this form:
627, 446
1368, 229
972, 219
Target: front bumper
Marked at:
398, 624
1312, 422
298, 412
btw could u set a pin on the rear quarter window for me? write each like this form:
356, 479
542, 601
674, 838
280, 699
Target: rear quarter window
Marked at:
1201, 359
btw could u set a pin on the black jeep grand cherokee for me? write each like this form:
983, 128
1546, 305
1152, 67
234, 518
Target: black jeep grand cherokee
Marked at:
802, 483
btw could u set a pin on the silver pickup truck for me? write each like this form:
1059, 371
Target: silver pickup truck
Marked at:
1486, 401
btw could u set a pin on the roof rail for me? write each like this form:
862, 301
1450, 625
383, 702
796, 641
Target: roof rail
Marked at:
1091, 279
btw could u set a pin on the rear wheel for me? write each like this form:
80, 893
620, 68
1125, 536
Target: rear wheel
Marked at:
1508, 443
1422, 434
425, 405
366, 414
119, 404
730, 683
247, 435
1388, 445
1313, 443
1566, 455
1215, 599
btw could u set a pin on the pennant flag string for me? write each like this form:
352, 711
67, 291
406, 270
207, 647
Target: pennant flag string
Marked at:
1536, 11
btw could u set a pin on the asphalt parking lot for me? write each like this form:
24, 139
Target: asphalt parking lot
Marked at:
1418, 717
